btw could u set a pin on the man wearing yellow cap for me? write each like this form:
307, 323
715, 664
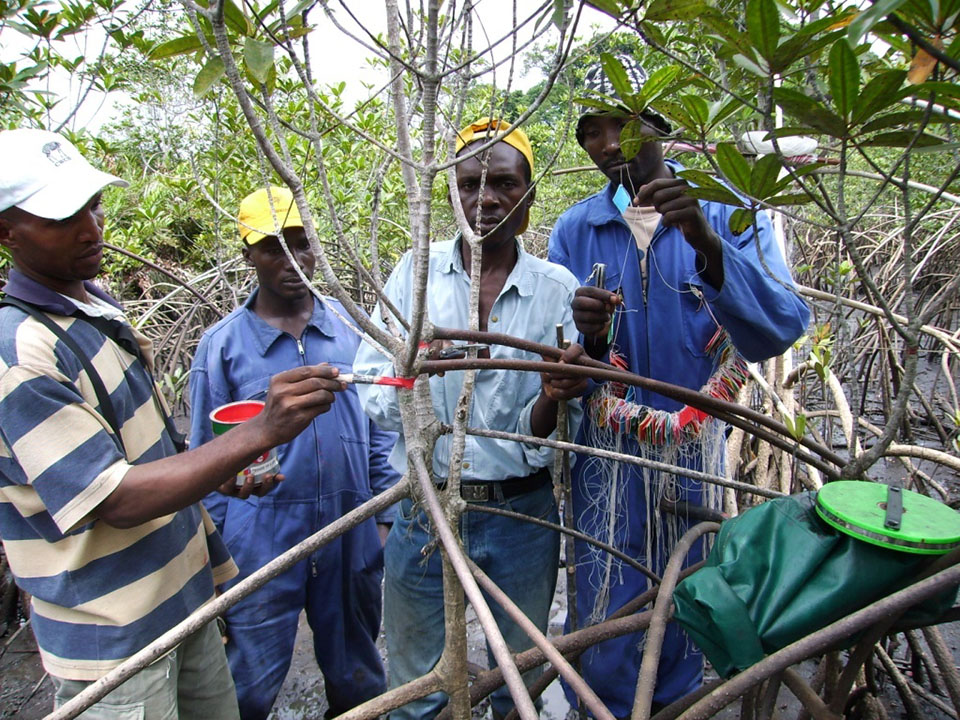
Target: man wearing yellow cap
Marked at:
336, 464
519, 295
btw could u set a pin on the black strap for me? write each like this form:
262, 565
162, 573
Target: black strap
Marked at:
103, 397
122, 335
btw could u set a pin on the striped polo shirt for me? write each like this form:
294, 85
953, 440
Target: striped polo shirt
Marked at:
100, 593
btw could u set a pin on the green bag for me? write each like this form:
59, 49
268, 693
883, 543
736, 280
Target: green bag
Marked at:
778, 573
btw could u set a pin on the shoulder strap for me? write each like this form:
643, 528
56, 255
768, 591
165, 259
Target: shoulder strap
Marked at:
103, 397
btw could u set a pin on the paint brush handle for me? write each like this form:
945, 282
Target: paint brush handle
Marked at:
353, 379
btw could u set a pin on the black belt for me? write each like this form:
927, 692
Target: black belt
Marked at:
485, 490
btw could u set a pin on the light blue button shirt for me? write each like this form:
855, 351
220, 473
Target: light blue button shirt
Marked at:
535, 298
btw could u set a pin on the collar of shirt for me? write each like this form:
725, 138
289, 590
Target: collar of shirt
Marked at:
29, 290
518, 278
264, 334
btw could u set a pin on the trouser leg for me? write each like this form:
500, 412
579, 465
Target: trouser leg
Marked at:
205, 688
521, 558
412, 610
191, 682
344, 609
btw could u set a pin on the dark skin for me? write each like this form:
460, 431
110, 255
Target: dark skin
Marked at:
61, 255
505, 189
284, 302
653, 185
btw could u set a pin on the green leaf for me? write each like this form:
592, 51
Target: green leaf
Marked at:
258, 58
234, 19
809, 111
665, 10
559, 15
940, 91
943, 147
706, 187
763, 178
654, 32
789, 199
763, 26
896, 119
675, 113
750, 65
862, 24
741, 219
843, 75
902, 138
879, 93
178, 46
635, 103
610, 7
698, 110
799, 46
659, 81
720, 110
799, 426
632, 137
734, 166
209, 74
616, 74
713, 195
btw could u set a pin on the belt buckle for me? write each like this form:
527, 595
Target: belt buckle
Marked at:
475, 492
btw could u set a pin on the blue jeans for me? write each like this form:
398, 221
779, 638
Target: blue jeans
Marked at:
519, 557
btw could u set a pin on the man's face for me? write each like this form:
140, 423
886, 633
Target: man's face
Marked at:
59, 254
504, 189
274, 272
601, 140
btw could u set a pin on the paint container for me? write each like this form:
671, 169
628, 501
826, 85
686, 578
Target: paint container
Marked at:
229, 416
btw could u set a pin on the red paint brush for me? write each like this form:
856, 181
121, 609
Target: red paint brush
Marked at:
377, 380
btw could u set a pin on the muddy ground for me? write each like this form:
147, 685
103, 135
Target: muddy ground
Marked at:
27, 694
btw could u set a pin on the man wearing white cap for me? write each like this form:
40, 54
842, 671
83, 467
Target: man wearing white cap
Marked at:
100, 522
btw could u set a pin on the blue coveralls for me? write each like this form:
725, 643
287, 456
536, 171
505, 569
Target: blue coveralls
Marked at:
336, 464
662, 335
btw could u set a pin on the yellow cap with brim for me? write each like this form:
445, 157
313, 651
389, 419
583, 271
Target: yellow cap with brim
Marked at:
488, 128
256, 220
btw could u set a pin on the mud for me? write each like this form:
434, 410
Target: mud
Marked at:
26, 692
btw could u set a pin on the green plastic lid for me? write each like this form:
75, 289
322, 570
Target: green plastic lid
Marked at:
858, 508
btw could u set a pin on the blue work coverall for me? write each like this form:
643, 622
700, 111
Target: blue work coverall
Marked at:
336, 464
662, 333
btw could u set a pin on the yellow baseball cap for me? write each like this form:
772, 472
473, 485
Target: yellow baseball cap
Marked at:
255, 221
488, 128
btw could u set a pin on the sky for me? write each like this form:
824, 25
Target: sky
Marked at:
336, 56
493, 20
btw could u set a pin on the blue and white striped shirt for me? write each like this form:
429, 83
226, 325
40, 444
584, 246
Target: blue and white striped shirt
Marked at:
100, 593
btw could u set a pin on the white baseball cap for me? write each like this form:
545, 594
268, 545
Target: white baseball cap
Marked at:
44, 174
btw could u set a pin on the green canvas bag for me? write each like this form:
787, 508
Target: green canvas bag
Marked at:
777, 573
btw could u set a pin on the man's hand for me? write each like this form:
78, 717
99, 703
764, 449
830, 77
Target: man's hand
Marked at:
668, 196
555, 389
560, 388
593, 309
248, 488
294, 398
